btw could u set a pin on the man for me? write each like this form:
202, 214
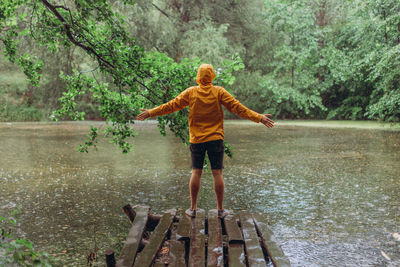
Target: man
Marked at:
206, 129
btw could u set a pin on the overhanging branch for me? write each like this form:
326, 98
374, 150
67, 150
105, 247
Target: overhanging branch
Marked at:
71, 37
161, 11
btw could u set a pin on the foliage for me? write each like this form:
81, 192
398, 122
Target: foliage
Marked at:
10, 112
17, 251
360, 59
206, 40
296, 59
135, 78
385, 100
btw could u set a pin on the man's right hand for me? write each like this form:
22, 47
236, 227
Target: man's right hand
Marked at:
267, 121
144, 115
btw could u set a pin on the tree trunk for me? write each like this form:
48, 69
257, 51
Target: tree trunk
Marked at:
321, 22
27, 96
293, 61
398, 35
386, 34
182, 8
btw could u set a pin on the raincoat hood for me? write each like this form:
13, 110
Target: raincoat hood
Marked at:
205, 75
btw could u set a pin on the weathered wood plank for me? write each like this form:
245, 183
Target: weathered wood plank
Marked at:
236, 256
269, 242
250, 241
128, 252
183, 232
214, 251
177, 252
232, 229
197, 240
255, 255
147, 256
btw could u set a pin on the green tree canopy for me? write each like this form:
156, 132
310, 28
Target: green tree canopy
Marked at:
133, 77
325, 59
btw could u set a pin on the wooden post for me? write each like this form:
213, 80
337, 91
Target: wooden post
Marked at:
110, 258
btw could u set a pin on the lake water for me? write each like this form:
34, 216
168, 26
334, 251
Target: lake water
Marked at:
331, 195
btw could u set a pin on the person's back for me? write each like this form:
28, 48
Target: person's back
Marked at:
206, 128
205, 115
206, 118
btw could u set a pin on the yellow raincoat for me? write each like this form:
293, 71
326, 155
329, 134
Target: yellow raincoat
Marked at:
206, 118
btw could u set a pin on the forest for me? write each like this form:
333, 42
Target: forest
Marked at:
319, 59
104, 60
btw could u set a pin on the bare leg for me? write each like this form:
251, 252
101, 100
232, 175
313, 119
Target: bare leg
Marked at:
194, 187
219, 188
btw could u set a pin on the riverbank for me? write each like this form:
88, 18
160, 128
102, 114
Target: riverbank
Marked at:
303, 123
330, 124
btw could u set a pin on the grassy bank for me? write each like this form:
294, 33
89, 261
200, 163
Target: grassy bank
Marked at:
13, 106
279, 123
331, 124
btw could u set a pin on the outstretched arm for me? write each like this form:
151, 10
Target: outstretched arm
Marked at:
178, 103
234, 106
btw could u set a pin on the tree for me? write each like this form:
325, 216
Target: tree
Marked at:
361, 55
303, 59
292, 88
137, 77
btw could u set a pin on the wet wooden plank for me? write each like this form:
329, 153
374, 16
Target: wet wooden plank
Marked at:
232, 229
177, 252
236, 256
147, 256
128, 252
183, 232
255, 255
197, 240
214, 249
269, 242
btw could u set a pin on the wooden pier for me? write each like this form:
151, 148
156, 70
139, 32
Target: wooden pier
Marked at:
175, 239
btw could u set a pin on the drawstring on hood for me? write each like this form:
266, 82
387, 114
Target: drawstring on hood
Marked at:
205, 75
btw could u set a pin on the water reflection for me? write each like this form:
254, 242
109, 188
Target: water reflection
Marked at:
331, 195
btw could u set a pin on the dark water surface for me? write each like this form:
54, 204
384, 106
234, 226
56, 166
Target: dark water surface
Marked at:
332, 195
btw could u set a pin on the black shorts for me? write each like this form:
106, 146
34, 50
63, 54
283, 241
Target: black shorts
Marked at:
215, 152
